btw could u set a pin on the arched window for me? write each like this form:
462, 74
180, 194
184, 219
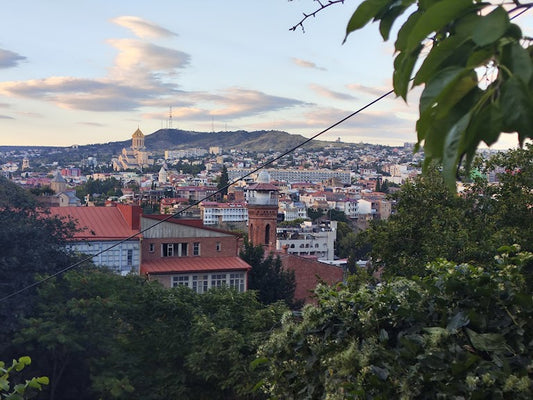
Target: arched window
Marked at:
267, 234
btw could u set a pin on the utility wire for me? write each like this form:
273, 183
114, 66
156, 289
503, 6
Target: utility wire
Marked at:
170, 216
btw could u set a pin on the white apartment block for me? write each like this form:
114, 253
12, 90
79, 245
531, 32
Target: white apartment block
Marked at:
319, 244
214, 213
297, 175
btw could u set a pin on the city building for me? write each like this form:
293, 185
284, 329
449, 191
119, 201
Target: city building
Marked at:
107, 233
185, 252
215, 213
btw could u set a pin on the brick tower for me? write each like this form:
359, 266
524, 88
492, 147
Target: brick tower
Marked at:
262, 199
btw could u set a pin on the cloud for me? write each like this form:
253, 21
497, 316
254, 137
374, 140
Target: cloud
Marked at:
330, 94
306, 64
5, 117
9, 59
143, 61
374, 91
143, 28
95, 124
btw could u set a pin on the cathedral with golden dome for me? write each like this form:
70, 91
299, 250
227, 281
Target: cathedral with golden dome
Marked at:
134, 157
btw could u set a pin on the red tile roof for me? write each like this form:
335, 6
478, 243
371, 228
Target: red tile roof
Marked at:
192, 264
97, 223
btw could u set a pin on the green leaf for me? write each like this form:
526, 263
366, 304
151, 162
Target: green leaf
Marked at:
363, 14
486, 125
518, 61
403, 67
438, 85
435, 18
458, 321
453, 150
439, 55
43, 380
388, 18
491, 27
487, 341
405, 31
517, 108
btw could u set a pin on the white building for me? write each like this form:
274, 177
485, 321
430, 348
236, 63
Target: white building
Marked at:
319, 243
214, 213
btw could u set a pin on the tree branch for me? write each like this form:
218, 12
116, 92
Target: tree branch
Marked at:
314, 13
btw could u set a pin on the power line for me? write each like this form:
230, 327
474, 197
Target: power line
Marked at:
170, 216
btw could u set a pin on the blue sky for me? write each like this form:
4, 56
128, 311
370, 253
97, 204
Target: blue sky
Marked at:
79, 72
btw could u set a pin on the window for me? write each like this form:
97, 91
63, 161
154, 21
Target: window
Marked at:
151, 248
217, 280
200, 283
130, 257
236, 281
196, 249
183, 250
167, 249
219, 246
180, 280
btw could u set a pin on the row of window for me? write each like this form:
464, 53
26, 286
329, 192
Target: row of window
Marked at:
202, 283
180, 249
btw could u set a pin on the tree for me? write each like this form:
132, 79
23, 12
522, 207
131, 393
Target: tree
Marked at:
431, 222
223, 182
462, 331
31, 244
272, 282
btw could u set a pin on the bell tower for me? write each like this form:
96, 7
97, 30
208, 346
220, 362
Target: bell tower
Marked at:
262, 199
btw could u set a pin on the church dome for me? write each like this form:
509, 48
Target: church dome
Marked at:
138, 133
263, 177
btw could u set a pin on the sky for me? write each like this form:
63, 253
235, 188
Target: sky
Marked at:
83, 72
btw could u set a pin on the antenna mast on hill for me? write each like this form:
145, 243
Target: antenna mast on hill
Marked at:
170, 117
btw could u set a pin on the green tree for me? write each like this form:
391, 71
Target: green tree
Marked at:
223, 181
431, 222
31, 244
268, 277
474, 63
462, 331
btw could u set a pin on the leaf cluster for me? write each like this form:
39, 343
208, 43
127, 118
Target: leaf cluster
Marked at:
460, 332
475, 66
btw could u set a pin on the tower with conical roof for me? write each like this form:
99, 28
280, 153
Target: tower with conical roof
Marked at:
262, 199
137, 140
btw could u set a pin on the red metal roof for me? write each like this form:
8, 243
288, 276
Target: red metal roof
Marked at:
193, 264
97, 223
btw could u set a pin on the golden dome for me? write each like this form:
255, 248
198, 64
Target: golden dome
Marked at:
137, 133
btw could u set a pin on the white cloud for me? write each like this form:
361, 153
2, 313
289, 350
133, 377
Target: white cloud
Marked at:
143, 28
331, 94
306, 64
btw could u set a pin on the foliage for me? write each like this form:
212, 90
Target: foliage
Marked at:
107, 187
223, 181
30, 244
315, 213
462, 331
19, 391
272, 282
295, 222
475, 66
97, 334
432, 222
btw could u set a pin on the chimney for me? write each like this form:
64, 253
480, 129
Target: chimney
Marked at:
132, 215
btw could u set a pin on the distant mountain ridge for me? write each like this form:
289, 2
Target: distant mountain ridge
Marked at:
174, 139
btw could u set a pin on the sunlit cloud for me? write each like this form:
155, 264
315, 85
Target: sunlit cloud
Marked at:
87, 123
331, 94
374, 91
143, 28
306, 64
10, 59
30, 114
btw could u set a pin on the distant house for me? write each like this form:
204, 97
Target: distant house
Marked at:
102, 228
185, 252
